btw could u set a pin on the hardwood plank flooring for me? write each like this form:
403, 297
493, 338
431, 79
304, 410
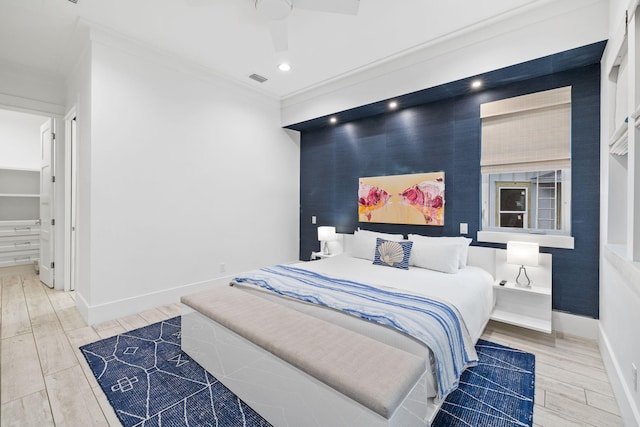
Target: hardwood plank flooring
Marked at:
45, 380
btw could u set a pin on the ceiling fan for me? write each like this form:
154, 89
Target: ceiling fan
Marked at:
276, 12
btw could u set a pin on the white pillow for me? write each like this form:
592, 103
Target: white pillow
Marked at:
436, 255
464, 243
364, 243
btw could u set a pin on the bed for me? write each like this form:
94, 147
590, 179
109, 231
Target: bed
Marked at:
456, 274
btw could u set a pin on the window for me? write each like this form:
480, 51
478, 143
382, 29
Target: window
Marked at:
512, 204
526, 163
526, 201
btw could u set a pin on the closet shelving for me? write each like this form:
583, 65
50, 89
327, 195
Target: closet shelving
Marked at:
19, 216
622, 67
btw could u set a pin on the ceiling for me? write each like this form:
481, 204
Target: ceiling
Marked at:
228, 36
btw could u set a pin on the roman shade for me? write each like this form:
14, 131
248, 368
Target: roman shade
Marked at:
527, 133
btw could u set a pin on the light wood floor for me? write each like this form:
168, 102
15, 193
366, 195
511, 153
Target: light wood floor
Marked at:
46, 382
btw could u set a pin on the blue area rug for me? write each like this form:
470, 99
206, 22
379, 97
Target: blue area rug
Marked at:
149, 381
498, 392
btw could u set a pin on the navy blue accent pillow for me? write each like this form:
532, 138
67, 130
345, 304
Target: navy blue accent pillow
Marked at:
392, 253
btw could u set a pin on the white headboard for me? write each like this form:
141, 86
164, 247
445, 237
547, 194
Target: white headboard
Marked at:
484, 258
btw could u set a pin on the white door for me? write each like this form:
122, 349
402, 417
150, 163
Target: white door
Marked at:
47, 143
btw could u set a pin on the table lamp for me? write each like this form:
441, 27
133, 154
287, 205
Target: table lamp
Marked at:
523, 254
325, 235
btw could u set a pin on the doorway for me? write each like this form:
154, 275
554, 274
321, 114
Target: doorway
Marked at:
21, 187
32, 159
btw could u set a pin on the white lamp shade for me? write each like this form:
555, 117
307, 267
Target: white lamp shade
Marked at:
326, 233
523, 253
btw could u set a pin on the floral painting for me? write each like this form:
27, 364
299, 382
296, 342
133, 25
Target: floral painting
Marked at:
416, 199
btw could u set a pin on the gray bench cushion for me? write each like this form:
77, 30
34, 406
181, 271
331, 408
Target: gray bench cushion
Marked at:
370, 372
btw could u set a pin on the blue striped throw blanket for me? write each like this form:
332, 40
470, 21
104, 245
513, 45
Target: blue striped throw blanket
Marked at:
435, 323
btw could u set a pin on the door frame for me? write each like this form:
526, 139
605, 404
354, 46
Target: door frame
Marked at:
55, 112
70, 198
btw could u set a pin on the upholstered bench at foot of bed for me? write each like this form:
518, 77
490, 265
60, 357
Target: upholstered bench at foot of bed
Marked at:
377, 376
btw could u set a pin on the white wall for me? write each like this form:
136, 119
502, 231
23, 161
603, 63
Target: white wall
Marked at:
20, 139
549, 27
619, 275
619, 337
79, 97
25, 88
187, 173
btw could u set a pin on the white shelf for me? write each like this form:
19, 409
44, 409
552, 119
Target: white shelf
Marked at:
529, 322
14, 168
19, 195
533, 289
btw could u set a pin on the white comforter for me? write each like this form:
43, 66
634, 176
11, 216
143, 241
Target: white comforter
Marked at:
470, 290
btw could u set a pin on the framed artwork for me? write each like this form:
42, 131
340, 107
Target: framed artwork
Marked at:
416, 199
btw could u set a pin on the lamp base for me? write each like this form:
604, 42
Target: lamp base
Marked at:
523, 280
325, 248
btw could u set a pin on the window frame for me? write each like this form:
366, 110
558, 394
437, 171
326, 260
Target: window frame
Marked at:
543, 141
491, 233
511, 185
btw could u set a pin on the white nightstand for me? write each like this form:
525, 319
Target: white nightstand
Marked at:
525, 307
320, 255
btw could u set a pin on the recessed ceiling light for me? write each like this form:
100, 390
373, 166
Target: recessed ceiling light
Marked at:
284, 67
476, 84
393, 105
333, 120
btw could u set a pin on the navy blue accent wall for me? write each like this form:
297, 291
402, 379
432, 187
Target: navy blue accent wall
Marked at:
445, 136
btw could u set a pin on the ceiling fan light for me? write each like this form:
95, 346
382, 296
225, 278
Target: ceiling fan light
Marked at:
274, 9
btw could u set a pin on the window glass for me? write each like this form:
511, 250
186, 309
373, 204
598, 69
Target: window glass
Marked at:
530, 201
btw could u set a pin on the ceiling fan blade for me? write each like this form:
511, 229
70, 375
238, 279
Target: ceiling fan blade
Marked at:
347, 7
279, 36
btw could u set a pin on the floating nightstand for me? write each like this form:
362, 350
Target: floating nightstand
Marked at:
528, 307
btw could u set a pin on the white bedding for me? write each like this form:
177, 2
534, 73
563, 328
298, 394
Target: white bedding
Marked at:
470, 291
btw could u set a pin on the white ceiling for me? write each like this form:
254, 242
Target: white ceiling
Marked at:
230, 37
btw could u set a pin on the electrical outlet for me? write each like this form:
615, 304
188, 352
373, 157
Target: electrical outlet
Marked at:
313, 219
223, 267
634, 377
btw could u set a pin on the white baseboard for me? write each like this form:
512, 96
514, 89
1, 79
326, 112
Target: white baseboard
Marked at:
629, 411
98, 313
579, 326
82, 306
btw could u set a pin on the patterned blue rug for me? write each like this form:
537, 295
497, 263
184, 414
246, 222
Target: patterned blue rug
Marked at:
498, 392
149, 381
